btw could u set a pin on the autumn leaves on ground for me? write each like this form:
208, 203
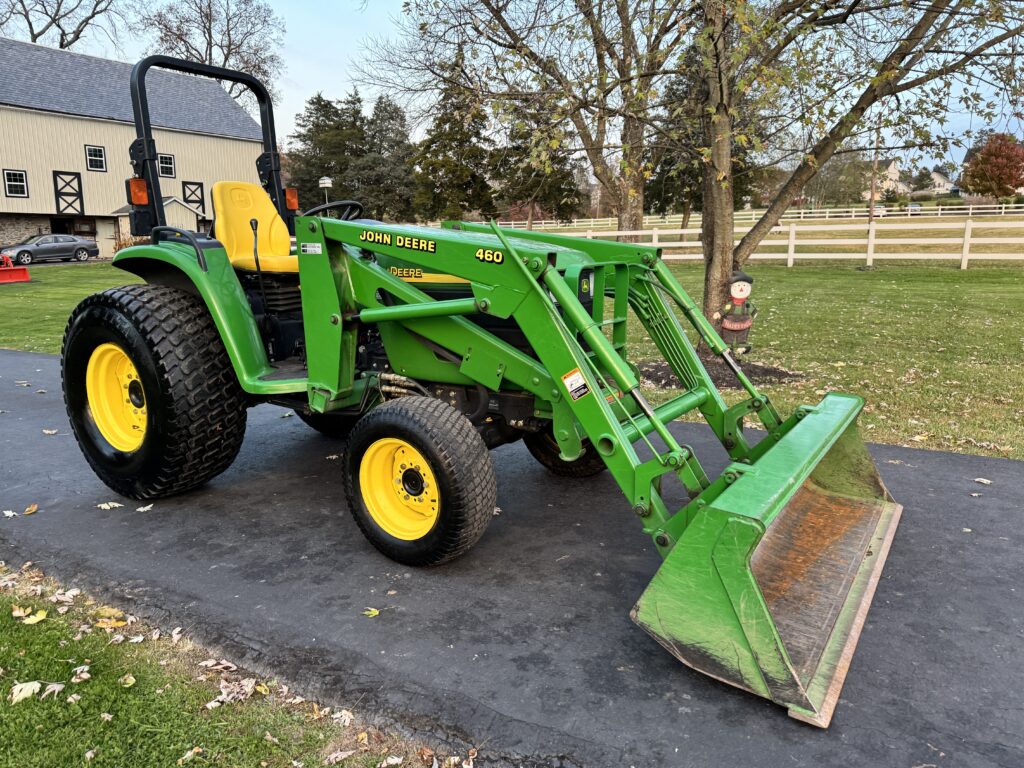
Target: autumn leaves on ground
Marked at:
86, 684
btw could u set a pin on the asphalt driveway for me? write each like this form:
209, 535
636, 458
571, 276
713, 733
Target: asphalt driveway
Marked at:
524, 647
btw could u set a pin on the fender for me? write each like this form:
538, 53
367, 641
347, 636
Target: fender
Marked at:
175, 265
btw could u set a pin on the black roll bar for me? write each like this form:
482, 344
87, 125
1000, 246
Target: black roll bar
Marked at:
143, 150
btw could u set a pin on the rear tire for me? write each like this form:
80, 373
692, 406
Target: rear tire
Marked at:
191, 411
543, 448
334, 426
419, 480
82, 255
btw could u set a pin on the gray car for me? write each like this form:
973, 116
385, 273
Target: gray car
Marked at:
43, 247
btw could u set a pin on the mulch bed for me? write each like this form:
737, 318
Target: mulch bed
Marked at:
658, 373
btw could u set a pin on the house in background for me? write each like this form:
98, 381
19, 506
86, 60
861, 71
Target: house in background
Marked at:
65, 127
941, 184
889, 180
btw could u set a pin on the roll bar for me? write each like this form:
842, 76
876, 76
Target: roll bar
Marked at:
143, 152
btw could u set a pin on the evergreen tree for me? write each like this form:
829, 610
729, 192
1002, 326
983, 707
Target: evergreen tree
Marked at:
452, 160
386, 173
534, 172
330, 137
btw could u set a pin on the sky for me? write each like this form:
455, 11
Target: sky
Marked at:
321, 42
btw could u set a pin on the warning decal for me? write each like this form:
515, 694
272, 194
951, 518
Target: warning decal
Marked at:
312, 248
575, 384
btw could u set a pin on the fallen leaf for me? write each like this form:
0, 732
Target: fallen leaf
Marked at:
392, 592
332, 457
108, 505
189, 755
426, 755
106, 717
389, 761
336, 757
108, 612
116, 639
22, 691
176, 635
268, 737
975, 495
370, 612
154, 635
126, 681
49, 431
344, 717
262, 689
966, 530
74, 698
18, 612
40, 391
52, 689
363, 738
10, 513
920, 438
90, 754
80, 674
31, 509
287, 415
983, 480
145, 508
35, 618
110, 623
136, 639
66, 597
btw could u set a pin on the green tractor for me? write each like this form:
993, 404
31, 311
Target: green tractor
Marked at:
424, 348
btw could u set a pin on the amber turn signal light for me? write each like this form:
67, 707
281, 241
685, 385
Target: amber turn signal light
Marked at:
138, 192
291, 199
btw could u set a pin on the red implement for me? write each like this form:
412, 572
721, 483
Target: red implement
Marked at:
12, 274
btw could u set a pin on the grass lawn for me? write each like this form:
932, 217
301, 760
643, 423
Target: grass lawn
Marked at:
140, 700
938, 353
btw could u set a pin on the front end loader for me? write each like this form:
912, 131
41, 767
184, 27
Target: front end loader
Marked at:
424, 347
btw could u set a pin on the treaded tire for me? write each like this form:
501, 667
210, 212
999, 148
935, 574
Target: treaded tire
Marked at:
334, 426
544, 449
196, 410
460, 462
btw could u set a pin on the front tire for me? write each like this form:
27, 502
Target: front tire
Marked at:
24, 258
153, 400
419, 480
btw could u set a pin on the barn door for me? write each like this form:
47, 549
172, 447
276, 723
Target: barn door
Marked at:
192, 194
67, 191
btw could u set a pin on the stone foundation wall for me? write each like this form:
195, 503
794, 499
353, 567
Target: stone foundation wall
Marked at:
15, 227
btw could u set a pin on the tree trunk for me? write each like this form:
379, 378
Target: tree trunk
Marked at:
630, 208
718, 226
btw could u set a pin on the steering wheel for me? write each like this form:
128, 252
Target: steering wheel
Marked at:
352, 209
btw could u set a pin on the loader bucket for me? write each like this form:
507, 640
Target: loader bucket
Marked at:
770, 583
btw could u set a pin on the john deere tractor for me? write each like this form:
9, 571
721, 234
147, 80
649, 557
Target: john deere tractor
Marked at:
426, 347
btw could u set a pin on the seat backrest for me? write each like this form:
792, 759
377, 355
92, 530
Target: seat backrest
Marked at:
235, 203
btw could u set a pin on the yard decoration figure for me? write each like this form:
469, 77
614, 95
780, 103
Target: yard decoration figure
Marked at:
738, 314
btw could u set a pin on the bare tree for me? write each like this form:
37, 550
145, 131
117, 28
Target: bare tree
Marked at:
60, 22
817, 71
245, 35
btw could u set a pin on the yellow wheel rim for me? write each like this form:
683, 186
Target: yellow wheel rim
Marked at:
399, 489
116, 398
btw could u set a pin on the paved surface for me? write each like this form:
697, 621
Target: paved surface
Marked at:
524, 647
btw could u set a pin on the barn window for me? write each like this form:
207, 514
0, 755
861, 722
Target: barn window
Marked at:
95, 158
165, 163
15, 183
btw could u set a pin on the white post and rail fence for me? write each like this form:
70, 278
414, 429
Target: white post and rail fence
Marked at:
792, 242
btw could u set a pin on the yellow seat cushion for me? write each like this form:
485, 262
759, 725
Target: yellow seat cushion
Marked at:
235, 204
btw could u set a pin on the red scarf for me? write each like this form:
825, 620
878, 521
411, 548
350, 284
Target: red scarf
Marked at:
736, 301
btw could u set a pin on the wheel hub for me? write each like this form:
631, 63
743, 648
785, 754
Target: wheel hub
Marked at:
399, 489
116, 397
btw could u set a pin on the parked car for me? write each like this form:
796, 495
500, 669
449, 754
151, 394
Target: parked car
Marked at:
914, 209
43, 247
879, 210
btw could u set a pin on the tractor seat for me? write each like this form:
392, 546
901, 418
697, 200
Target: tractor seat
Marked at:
235, 203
